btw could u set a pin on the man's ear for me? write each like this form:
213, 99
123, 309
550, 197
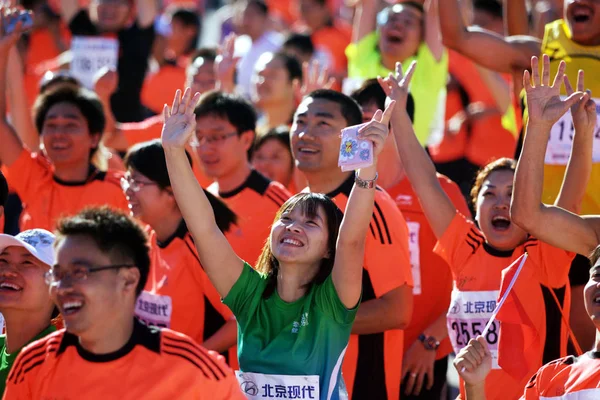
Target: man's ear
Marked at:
131, 277
247, 138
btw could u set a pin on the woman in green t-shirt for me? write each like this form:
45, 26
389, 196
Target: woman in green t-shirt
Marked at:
295, 310
26, 307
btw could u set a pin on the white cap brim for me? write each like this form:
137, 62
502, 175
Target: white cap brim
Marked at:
8, 240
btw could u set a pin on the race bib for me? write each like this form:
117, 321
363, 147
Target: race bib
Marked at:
90, 54
586, 394
561, 139
468, 314
415, 254
262, 386
154, 310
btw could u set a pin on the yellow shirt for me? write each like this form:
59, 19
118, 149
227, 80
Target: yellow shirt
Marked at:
558, 45
428, 85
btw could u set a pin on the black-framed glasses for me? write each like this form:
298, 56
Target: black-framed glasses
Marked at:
199, 140
78, 274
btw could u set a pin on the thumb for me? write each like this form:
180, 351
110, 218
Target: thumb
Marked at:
574, 98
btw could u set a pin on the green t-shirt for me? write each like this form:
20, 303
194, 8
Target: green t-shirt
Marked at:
306, 337
7, 360
428, 85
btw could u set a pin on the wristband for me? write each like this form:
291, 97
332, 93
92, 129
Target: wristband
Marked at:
363, 183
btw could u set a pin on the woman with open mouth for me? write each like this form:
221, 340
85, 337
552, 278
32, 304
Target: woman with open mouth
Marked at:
478, 253
296, 309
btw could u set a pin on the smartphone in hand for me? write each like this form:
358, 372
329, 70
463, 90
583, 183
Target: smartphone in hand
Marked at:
25, 18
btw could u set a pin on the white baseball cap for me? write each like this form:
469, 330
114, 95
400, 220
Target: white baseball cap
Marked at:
39, 242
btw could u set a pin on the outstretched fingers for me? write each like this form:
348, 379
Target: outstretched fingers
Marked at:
409, 74
535, 71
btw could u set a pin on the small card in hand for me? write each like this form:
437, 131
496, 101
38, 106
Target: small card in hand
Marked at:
355, 153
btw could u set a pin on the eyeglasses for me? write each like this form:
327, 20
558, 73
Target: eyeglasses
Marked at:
199, 140
79, 274
128, 182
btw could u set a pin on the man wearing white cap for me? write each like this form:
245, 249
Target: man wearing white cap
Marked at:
24, 301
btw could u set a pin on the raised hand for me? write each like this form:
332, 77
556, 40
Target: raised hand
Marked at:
8, 40
377, 129
313, 77
543, 100
105, 82
583, 111
474, 361
226, 63
180, 121
396, 85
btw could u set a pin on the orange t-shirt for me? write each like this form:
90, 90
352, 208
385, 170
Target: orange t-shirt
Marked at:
431, 275
154, 364
45, 198
178, 281
477, 272
158, 88
372, 365
569, 378
255, 203
333, 40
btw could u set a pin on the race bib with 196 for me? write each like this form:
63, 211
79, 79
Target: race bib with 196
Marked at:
154, 309
561, 139
262, 386
467, 316
90, 54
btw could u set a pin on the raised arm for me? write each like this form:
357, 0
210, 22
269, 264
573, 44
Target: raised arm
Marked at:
10, 144
433, 36
223, 267
579, 168
418, 166
550, 224
350, 249
516, 20
365, 19
225, 65
492, 51
69, 8
146, 12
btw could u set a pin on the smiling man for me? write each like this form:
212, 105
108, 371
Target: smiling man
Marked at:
102, 263
373, 360
225, 132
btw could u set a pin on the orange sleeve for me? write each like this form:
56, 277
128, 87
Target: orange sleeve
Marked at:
29, 168
225, 388
548, 379
552, 264
21, 379
387, 256
458, 243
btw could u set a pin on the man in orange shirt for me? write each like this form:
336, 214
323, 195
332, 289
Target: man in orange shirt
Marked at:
225, 132
60, 179
373, 360
102, 263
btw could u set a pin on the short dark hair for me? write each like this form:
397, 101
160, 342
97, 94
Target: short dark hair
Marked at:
189, 18
148, 158
300, 41
492, 7
85, 100
52, 80
206, 53
501, 164
3, 190
291, 64
281, 134
348, 106
371, 92
238, 111
114, 233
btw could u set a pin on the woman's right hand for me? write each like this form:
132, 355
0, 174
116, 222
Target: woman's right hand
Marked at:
8, 40
180, 120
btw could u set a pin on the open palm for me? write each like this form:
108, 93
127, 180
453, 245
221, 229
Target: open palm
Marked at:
544, 103
180, 121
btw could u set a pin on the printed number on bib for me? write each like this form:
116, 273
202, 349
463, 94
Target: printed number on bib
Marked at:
468, 314
561, 139
415, 254
261, 386
90, 55
154, 310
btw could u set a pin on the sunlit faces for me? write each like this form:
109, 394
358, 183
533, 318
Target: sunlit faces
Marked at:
402, 32
110, 15
22, 284
591, 294
493, 211
583, 17
65, 135
271, 82
315, 135
147, 201
87, 305
200, 76
274, 160
299, 238
220, 148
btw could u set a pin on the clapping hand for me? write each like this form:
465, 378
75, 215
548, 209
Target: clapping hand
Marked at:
180, 120
543, 100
